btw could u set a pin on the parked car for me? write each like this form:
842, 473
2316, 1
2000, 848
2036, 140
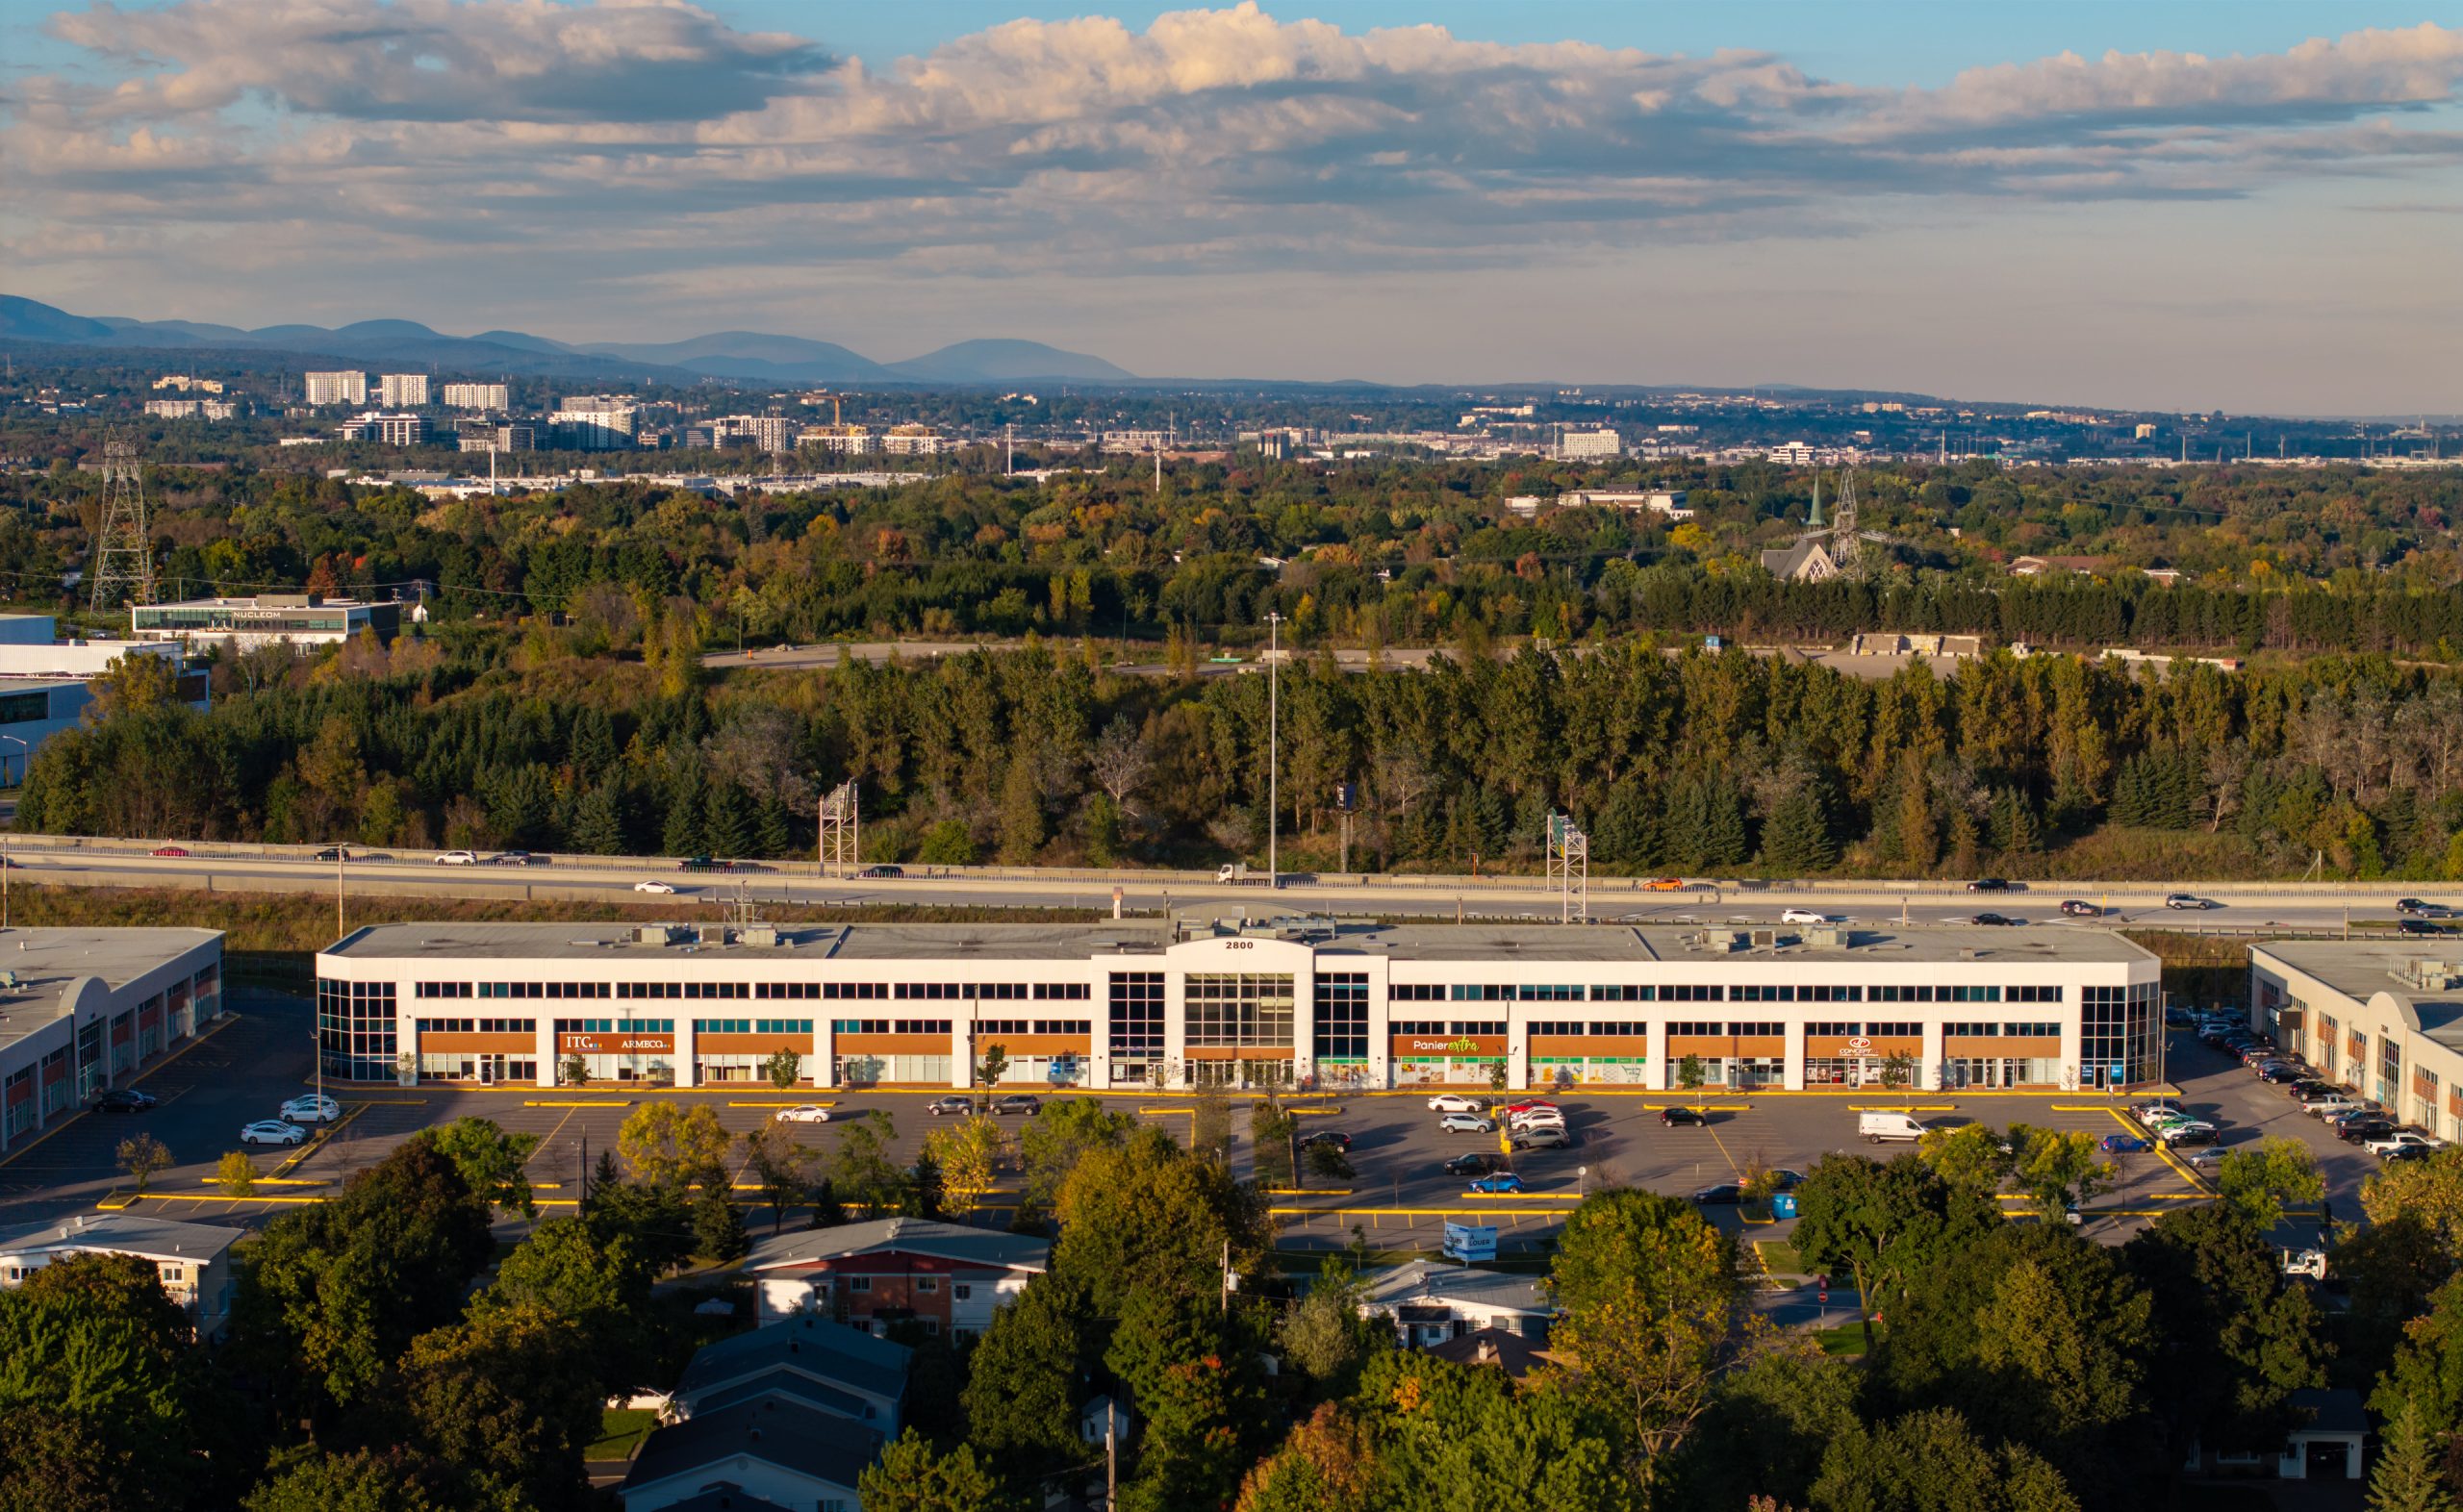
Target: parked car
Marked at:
2306, 1088
2126, 1144
1503, 1181
2147, 1113
1536, 1119
2189, 900
1019, 1102
2355, 1131
457, 858
1546, 1136
1726, 1193
1335, 1138
173, 851
2327, 1102
2408, 1152
945, 1107
1802, 916
881, 874
1453, 1102
803, 1113
1466, 1124
2282, 1074
1989, 885
314, 1108
1475, 1163
271, 1132
2191, 1133
123, 1099
2080, 908
2403, 1139
653, 884
1673, 1118
1530, 1105
1990, 920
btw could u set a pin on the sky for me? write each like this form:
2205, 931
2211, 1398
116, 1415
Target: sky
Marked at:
2233, 204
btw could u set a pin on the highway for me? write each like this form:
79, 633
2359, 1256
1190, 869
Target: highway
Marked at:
260, 869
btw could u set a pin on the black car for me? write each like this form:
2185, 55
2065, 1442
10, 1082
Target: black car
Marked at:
2307, 1088
1725, 1194
2283, 1073
2205, 1136
1672, 1116
2359, 1129
334, 853
1018, 1102
1335, 1137
2080, 908
123, 1099
881, 874
1989, 885
1475, 1163
2408, 1152
2418, 927
1992, 919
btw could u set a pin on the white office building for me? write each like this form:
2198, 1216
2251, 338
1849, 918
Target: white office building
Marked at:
2383, 1017
485, 396
300, 621
46, 684
392, 429
1130, 1003
82, 1010
596, 422
338, 388
402, 390
1581, 445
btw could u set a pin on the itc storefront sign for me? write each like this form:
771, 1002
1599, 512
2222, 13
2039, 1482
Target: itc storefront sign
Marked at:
615, 1044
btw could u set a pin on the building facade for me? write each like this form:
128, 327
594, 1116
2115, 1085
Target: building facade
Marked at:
1130, 1003
596, 422
337, 387
192, 1259
300, 619
82, 1010
477, 396
2381, 1017
402, 390
946, 1277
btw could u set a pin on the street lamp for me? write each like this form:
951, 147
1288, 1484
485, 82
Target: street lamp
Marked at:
27, 756
1274, 748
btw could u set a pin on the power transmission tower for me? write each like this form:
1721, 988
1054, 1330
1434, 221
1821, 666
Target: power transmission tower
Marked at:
121, 565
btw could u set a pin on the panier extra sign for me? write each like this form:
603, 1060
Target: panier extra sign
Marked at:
1459, 1044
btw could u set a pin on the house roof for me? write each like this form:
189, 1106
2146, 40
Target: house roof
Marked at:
1510, 1352
1791, 561
785, 1382
123, 1233
1426, 1281
771, 1428
725, 1496
920, 1236
2337, 1410
818, 1346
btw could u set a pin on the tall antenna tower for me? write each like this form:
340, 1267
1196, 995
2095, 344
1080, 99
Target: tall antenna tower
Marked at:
121, 565
841, 830
1570, 868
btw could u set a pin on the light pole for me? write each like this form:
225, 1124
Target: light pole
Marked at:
1274, 749
27, 756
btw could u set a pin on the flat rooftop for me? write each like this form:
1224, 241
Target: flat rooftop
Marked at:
1570, 945
2360, 969
46, 962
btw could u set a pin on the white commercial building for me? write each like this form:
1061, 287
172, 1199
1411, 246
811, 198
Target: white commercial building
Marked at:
596, 422
394, 430
402, 390
1578, 445
914, 441
244, 624
338, 388
84, 1010
191, 408
46, 683
2383, 1017
476, 396
853, 441
1134, 1003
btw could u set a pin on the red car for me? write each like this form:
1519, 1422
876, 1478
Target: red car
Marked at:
1512, 1108
170, 850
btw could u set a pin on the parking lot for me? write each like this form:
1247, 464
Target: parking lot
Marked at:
1399, 1198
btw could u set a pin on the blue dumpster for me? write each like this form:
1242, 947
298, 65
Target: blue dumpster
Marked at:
1783, 1204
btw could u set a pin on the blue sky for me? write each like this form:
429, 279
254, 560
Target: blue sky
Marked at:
2246, 206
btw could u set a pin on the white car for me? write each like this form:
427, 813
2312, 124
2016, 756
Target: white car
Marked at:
808, 1113
2150, 1114
1453, 1102
1536, 1118
2188, 900
458, 858
272, 1131
1466, 1124
653, 884
2402, 1139
315, 1108
1802, 916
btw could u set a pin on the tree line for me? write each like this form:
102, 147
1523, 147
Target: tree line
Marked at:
1690, 762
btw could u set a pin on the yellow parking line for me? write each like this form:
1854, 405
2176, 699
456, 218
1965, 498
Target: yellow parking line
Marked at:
542, 1103
2163, 1151
751, 1104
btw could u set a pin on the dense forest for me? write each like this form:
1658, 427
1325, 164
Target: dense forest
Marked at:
1376, 552
387, 1353
1672, 760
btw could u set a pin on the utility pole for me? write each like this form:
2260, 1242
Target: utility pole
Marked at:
26, 754
342, 860
1274, 748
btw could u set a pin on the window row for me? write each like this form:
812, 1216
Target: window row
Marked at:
1053, 991
984, 1026
752, 1026
939, 1026
478, 1027
1602, 1027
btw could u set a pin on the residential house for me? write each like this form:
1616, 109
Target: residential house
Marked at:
192, 1259
1511, 1352
946, 1276
819, 1365
1433, 1303
768, 1452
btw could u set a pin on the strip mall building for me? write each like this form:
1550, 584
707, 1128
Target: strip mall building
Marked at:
1136, 1003
81, 1011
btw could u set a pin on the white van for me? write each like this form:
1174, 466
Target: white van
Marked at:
1879, 1127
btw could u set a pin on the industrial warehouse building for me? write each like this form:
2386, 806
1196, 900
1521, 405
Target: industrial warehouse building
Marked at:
82, 1010
1310, 1003
2382, 1017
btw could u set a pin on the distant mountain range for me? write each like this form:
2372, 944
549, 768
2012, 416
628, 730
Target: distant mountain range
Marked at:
744, 355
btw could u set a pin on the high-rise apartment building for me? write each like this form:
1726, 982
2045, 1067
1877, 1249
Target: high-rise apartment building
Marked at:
337, 387
595, 421
476, 396
1590, 443
402, 390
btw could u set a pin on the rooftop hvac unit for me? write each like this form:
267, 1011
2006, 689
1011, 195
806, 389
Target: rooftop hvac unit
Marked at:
1765, 938
760, 935
650, 934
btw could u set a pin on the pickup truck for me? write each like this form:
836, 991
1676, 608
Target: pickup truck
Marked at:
1238, 874
2327, 1102
2400, 1139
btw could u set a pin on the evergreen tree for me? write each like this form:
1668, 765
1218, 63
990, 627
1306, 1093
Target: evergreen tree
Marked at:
682, 834
1796, 839
773, 832
1725, 842
599, 821
1022, 831
2408, 1478
726, 820
718, 1228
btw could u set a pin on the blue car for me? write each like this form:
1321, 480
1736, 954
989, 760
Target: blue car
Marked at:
1501, 1181
2126, 1144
